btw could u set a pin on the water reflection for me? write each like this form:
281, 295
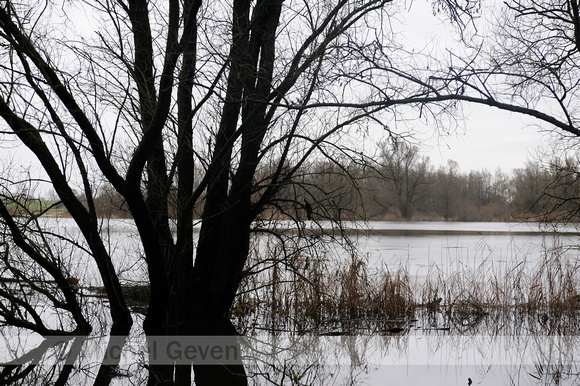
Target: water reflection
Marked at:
32, 360
433, 357
534, 343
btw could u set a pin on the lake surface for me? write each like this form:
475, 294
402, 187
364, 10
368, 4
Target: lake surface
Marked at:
419, 247
425, 247
422, 355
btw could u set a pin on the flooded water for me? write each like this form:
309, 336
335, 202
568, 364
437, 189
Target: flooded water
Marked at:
419, 247
434, 351
427, 352
424, 247
441, 359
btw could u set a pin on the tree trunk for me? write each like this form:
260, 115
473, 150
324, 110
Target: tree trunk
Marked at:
222, 251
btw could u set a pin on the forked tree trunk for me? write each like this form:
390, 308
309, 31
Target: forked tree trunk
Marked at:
221, 254
201, 298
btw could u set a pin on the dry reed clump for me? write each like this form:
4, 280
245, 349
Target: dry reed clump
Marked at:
363, 296
310, 294
395, 296
555, 288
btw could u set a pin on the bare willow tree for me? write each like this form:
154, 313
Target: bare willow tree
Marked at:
406, 173
180, 106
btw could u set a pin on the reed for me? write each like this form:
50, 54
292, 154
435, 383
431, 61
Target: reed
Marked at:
312, 295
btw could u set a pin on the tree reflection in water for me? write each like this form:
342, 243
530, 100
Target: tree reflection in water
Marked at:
59, 360
417, 355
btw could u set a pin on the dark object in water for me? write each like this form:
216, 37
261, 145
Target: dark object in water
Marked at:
434, 305
469, 382
335, 333
436, 329
394, 330
308, 209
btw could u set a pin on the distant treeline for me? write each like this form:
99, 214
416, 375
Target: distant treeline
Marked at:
408, 187
401, 184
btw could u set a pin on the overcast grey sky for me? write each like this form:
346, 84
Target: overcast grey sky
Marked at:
490, 138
